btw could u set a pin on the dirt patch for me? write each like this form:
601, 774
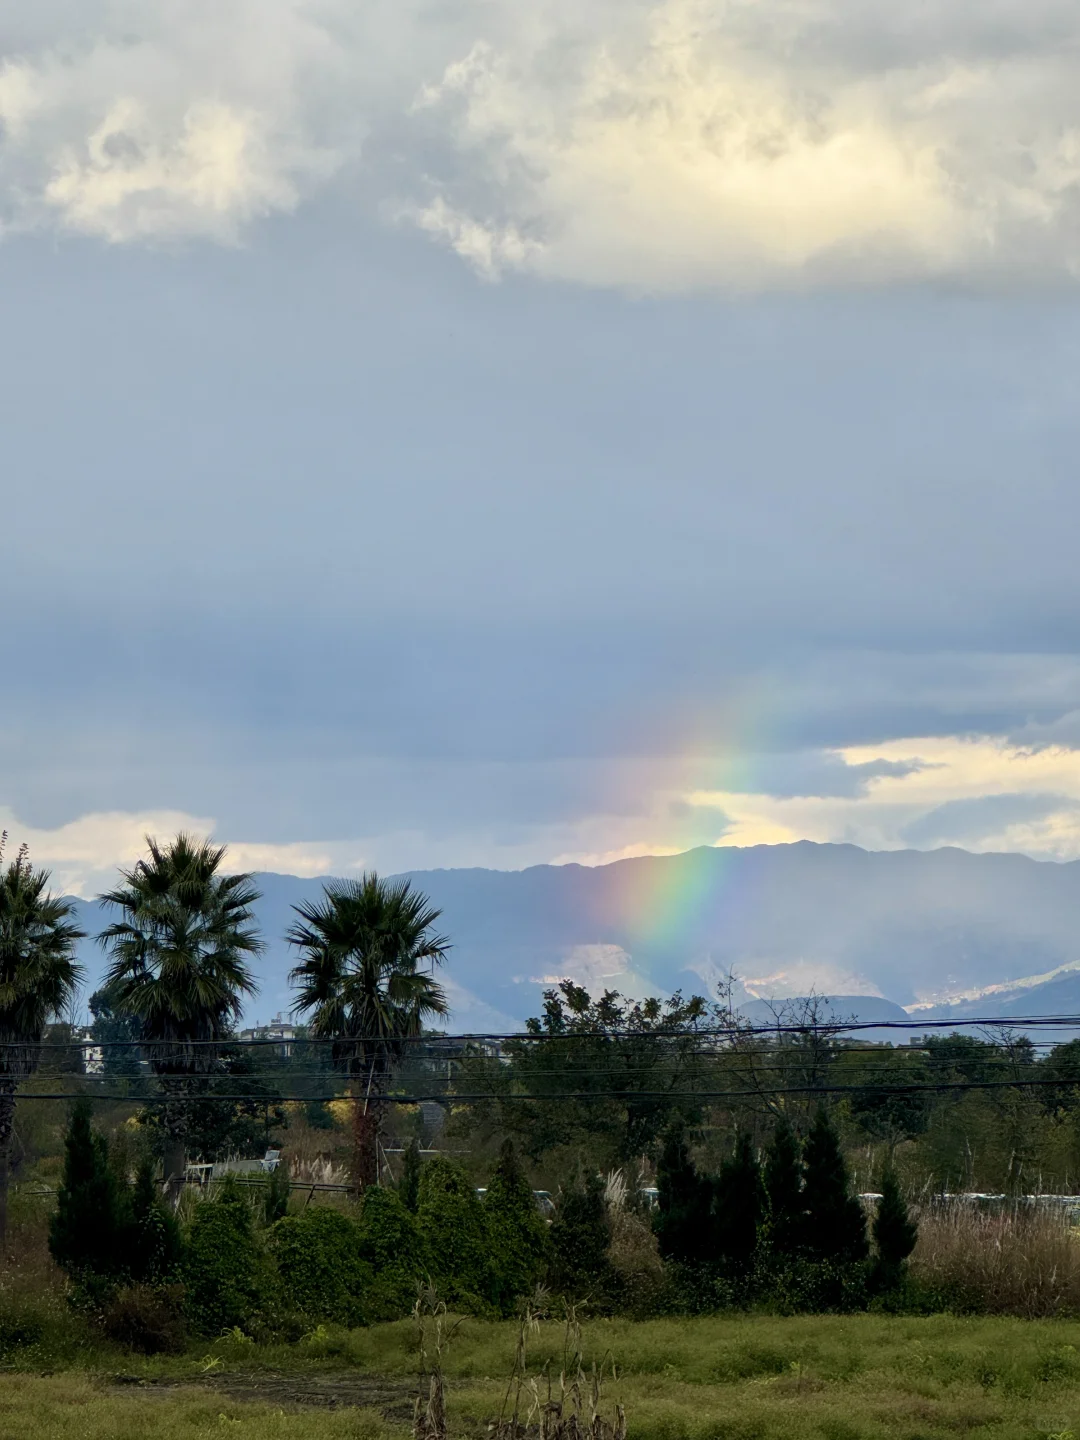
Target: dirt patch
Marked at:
393, 1399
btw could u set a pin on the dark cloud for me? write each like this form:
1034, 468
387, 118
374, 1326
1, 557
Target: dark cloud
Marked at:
969, 821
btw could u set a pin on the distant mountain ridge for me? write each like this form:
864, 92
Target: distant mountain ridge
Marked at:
913, 927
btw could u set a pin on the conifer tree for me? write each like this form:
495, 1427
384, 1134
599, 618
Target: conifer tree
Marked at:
409, 1188
895, 1233
87, 1231
519, 1237
683, 1221
739, 1205
783, 1178
580, 1234
835, 1223
153, 1243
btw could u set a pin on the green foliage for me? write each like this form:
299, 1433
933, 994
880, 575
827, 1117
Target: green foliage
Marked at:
783, 1178
394, 1249
517, 1233
409, 1187
453, 1226
276, 1195
87, 1231
115, 1033
683, 1219
321, 1272
147, 1318
895, 1233
223, 1268
579, 1239
739, 1206
835, 1226
153, 1242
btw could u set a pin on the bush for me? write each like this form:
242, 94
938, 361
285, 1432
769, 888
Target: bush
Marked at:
393, 1248
835, 1224
683, 1219
518, 1234
223, 1267
894, 1233
452, 1223
148, 1318
87, 1232
154, 1243
321, 1274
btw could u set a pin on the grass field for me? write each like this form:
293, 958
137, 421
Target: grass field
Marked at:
753, 1378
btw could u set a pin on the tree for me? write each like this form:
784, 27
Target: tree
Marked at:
87, 1232
783, 1178
368, 948
683, 1219
38, 980
117, 1035
580, 1235
517, 1233
895, 1233
739, 1205
835, 1226
179, 966
453, 1226
409, 1186
154, 1244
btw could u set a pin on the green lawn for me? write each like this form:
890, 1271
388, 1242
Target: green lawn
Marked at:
804, 1378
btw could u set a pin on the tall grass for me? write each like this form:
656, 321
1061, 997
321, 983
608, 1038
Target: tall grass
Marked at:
1020, 1260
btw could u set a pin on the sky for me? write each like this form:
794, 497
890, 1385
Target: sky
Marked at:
481, 434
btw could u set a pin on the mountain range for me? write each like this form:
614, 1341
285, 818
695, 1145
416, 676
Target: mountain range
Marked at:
941, 933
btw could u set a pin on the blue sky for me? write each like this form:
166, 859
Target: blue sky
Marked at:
460, 434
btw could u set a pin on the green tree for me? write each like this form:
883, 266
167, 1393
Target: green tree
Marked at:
579, 1239
453, 1226
117, 1035
154, 1246
179, 967
835, 1226
895, 1233
393, 1246
411, 1170
223, 1274
516, 1229
683, 1219
88, 1230
321, 1271
783, 1178
368, 948
38, 980
739, 1205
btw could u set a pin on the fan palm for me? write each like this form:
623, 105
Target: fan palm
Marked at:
38, 980
179, 966
368, 948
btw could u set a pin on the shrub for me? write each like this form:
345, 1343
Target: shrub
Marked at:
153, 1241
452, 1224
321, 1274
148, 1318
223, 1267
394, 1250
783, 1191
409, 1188
518, 1234
683, 1220
639, 1280
738, 1207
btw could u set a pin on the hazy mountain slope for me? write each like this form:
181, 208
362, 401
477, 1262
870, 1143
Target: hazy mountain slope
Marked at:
909, 924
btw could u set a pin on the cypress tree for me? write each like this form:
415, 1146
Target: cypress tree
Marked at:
580, 1234
519, 1237
895, 1233
87, 1231
683, 1221
739, 1205
409, 1187
783, 1190
835, 1226
154, 1243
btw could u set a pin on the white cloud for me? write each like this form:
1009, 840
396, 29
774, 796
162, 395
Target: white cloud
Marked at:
690, 143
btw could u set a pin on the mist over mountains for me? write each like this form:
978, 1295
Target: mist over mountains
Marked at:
946, 931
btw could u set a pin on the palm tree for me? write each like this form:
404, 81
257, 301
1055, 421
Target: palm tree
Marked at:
365, 980
38, 980
179, 967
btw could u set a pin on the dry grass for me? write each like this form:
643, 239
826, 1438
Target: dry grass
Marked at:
1019, 1261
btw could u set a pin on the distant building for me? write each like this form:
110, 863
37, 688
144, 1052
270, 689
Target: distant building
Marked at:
278, 1029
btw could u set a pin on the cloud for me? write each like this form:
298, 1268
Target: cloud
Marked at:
686, 144
973, 818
